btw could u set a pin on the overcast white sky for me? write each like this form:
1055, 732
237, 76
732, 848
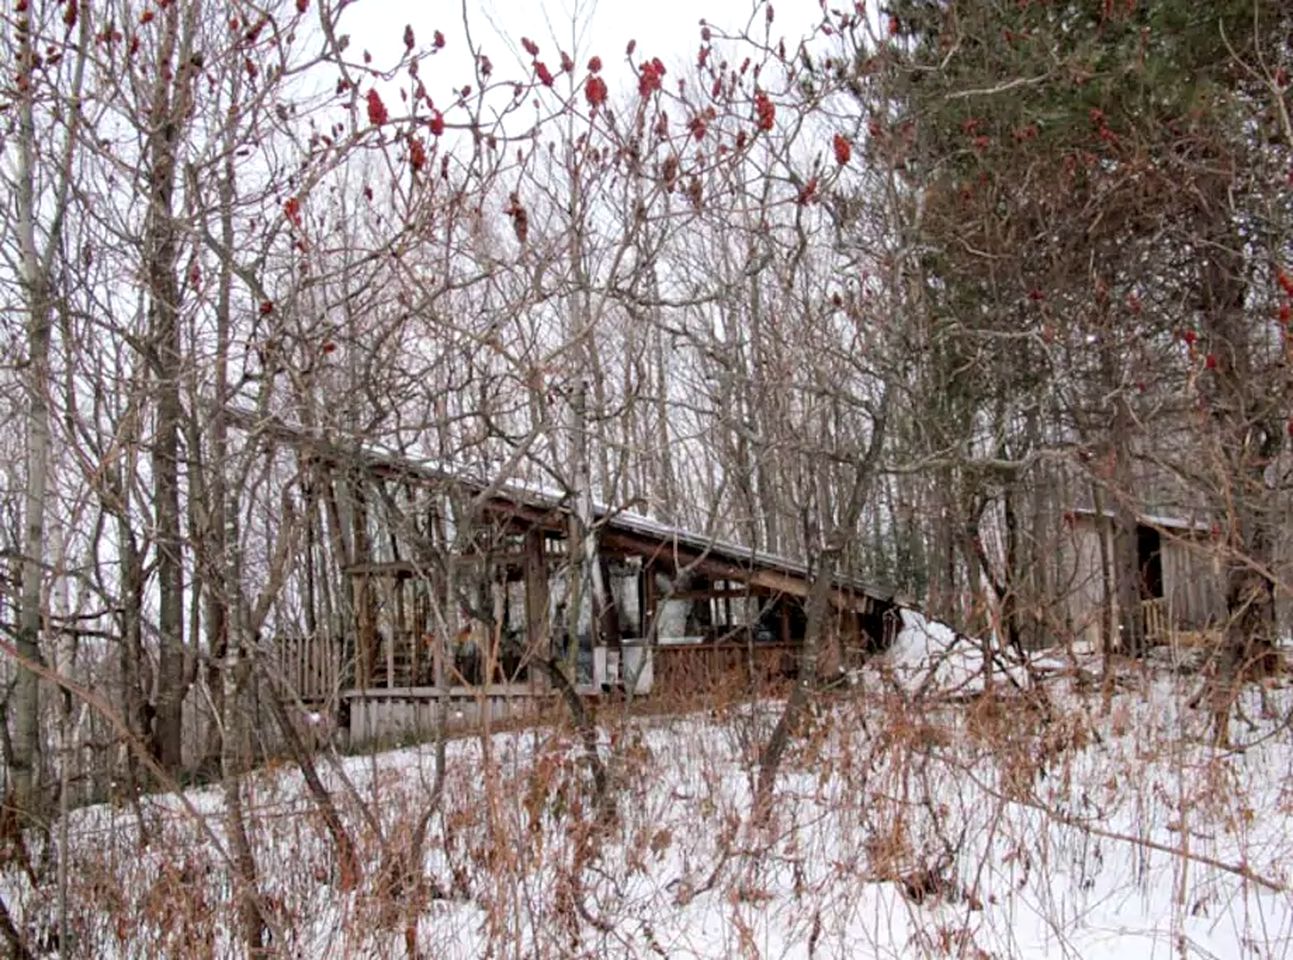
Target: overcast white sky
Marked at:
668, 29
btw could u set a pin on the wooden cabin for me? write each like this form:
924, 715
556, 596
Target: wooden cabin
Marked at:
458, 587
1181, 589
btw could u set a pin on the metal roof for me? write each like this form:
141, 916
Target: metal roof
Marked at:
543, 498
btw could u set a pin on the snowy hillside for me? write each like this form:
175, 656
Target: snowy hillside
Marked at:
1051, 823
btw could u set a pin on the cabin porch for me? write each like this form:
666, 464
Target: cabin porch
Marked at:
444, 589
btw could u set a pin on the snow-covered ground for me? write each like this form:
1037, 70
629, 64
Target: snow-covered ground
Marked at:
1063, 821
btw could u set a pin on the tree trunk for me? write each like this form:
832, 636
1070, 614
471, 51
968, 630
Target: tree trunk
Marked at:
251, 922
818, 611
818, 608
1125, 546
349, 869
25, 761
169, 110
215, 506
135, 674
1248, 435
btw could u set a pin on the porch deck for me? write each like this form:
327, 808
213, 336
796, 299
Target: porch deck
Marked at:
700, 670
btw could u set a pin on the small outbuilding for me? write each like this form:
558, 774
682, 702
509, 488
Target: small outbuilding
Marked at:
1179, 585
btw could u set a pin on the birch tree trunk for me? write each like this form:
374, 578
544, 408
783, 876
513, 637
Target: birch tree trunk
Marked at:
34, 269
25, 765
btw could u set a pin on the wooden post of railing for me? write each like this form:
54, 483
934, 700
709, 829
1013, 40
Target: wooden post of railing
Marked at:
323, 657
389, 639
1154, 614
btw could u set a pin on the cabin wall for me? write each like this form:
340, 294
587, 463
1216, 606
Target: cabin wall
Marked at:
1284, 571
1192, 585
1081, 579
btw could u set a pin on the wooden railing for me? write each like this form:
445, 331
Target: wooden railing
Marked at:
317, 668
399, 660
691, 669
313, 667
1156, 621
408, 660
1161, 627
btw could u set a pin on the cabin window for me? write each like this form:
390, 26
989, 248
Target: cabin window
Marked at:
625, 590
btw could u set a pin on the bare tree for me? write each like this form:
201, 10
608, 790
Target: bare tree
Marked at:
42, 192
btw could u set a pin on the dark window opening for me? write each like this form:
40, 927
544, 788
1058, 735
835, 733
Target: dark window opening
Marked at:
1149, 560
879, 626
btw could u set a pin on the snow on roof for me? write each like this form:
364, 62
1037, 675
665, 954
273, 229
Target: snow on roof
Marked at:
413, 459
1162, 521
634, 522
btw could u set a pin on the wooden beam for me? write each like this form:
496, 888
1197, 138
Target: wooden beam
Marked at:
609, 615
773, 581
381, 568
401, 569
513, 513
712, 593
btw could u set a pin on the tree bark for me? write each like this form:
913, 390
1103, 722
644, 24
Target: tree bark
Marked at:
1248, 435
168, 113
236, 673
350, 870
26, 758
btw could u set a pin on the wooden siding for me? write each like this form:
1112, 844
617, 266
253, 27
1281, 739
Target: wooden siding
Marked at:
1193, 598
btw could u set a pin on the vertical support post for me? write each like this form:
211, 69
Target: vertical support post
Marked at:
611, 633
439, 676
401, 632
538, 635
364, 652
416, 628
647, 601
389, 636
